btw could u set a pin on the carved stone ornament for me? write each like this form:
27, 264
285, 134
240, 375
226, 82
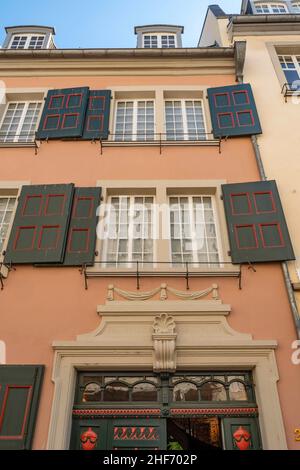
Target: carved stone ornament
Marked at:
163, 290
164, 343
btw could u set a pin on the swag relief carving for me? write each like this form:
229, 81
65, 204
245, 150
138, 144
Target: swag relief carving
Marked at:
164, 343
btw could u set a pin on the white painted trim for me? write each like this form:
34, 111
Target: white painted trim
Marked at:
159, 39
17, 136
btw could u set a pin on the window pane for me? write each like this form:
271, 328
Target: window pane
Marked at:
289, 66
116, 391
237, 391
145, 120
150, 41
185, 391
195, 120
30, 122
168, 41
124, 121
18, 42
92, 392
193, 230
144, 392
130, 230
134, 120
22, 116
36, 42
174, 120
213, 391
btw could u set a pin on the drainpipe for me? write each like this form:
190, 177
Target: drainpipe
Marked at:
284, 265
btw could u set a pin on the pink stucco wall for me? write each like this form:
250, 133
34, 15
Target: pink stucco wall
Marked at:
40, 305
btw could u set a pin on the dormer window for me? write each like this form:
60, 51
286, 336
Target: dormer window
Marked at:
154, 41
270, 8
159, 36
28, 41
29, 37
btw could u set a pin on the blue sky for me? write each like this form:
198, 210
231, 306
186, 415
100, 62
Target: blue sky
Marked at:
108, 23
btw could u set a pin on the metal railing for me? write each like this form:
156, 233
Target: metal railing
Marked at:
140, 139
289, 89
138, 269
161, 139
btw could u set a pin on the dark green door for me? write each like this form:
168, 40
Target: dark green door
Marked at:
241, 434
112, 434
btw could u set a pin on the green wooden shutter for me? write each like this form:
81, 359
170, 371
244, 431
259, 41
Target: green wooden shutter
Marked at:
97, 115
40, 226
63, 114
241, 434
256, 224
82, 231
19, 396
233, 111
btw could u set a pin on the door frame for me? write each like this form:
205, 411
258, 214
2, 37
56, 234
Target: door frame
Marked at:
205, 341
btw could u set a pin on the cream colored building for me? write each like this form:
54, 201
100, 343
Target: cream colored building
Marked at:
271, 31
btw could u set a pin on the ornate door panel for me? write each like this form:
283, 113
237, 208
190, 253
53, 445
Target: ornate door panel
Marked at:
241, 434
110, 434
137, 434
89, 434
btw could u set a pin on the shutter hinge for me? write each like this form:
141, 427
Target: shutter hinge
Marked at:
96, 253
229, 253
222, 197
101, 198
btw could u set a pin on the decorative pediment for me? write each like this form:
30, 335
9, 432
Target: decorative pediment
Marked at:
141, 324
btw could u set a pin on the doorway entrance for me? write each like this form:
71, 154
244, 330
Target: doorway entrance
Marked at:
182, 411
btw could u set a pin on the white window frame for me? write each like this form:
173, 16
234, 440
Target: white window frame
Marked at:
8, 196
192, 223
296, 63
104, 251
135, 136
17, 136
271, 6
28, 40
184, 119
159, 40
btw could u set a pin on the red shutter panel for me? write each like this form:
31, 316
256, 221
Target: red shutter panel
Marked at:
63, 114
40, 226
97, 115
233, 111
19, 397
82, 231
256, 224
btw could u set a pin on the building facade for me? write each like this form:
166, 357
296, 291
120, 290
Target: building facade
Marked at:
271, 31
143, 301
